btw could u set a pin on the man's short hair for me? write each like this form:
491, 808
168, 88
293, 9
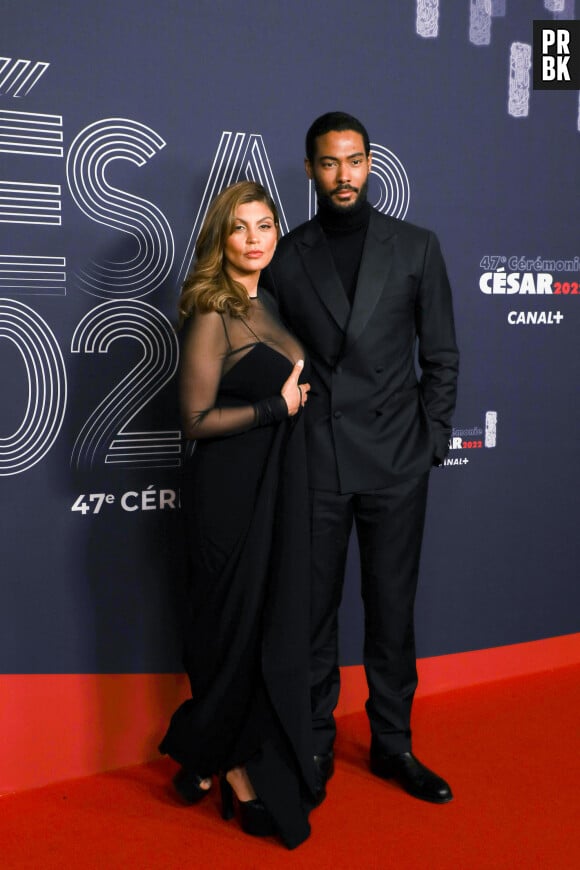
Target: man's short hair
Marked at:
335, 121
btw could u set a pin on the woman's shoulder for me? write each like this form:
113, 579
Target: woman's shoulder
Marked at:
209, 325
207, 317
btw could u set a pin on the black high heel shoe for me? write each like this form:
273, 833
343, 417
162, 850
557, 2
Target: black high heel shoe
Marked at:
188, 786
254, 817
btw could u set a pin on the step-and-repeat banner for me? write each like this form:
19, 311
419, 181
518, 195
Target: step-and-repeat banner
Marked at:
119, 121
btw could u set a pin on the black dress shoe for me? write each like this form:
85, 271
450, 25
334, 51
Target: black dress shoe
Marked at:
323, 770
411, 775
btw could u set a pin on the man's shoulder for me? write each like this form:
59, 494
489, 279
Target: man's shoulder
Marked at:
399, 226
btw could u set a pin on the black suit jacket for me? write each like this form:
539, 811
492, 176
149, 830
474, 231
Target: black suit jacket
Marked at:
372, 417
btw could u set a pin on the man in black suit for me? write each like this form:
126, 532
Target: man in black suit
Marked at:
368, 295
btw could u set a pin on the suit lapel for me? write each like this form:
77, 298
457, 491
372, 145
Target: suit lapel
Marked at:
375, 267
320, 267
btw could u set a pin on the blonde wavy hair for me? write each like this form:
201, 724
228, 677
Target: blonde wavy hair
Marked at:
208, 287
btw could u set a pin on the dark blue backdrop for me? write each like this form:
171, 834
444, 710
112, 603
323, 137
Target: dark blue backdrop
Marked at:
112, 123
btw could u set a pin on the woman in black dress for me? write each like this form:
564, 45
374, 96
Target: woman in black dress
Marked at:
244, 500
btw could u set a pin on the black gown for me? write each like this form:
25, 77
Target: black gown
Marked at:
245, 505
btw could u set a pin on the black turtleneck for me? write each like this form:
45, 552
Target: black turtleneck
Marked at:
345, 233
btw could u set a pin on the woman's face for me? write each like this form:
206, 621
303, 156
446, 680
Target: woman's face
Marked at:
252, 242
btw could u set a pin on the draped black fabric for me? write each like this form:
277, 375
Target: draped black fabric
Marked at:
244, 501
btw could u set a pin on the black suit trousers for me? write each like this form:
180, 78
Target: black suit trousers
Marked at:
389, 524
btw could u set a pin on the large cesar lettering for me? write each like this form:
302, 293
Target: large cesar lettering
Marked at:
88, 158
29, 134
104, 435
394, 188
47, 387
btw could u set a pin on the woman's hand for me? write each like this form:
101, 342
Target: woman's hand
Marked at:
294, 394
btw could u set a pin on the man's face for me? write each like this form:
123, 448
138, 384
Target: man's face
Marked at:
340, 169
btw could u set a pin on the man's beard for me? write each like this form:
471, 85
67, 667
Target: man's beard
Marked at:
325, 200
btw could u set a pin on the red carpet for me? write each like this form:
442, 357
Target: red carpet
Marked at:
509, 749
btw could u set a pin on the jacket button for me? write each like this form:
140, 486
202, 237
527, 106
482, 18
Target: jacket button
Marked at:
338, 370
379, 369
337, 415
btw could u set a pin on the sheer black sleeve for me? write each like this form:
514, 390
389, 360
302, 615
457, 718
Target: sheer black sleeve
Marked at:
204, 349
